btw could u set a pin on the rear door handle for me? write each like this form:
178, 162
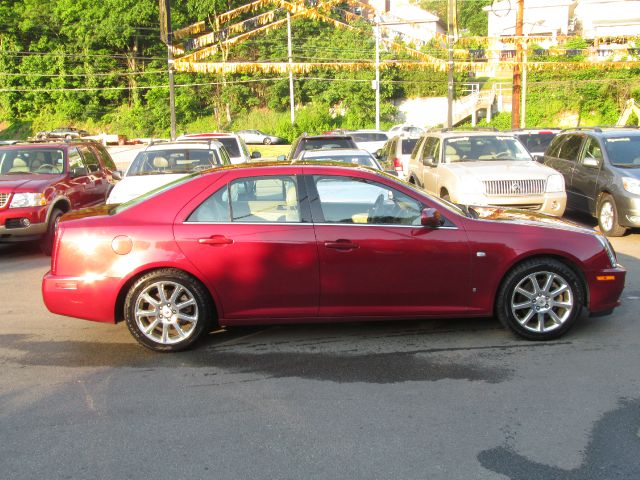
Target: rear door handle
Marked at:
215, 240
341, 245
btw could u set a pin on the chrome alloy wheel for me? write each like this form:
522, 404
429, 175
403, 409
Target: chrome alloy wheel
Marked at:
542, 302
166, 312
606, 216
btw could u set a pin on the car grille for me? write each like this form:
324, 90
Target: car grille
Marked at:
514, 188
4, 197
522, 206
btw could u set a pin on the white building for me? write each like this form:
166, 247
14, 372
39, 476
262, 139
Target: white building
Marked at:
420, 27
607, 18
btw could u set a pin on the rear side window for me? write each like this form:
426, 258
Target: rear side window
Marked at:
570, 148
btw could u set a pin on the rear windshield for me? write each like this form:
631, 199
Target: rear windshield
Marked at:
173, 161
536, 142
368, 137
231, 144
318, 143
408, 144
355, 159
623, 151
40, 161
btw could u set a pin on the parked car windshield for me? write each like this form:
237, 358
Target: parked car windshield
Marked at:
173, 161
484, 148
536, 142
623, 151
32, 160
318, 143
355, 159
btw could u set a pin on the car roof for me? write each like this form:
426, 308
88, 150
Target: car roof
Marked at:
193, 145
324, 137
321, 152
468, 133
605, 131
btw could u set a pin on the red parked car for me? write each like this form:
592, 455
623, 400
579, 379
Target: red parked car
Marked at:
41, 181
309, 243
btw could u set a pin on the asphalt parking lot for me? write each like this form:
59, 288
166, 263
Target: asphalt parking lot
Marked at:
442, 399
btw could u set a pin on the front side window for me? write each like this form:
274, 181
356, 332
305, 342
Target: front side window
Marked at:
75, 160
351, 200
592, 150
272, 199
90, 160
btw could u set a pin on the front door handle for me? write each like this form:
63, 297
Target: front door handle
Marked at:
215, 240
341, 244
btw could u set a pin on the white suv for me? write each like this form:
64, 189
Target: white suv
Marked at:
485, 168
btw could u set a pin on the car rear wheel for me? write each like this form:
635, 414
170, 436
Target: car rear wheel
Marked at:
540, 299
167, 310
267, 141
46, 245
608, 217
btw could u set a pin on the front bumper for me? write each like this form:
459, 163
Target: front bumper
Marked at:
549, 203
628, 206
605, 288
10, 229
90, 297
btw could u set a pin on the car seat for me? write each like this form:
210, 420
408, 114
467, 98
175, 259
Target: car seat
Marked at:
19, 166
451, 154
160, 163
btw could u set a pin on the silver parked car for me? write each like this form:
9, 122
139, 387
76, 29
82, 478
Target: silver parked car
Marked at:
258, 137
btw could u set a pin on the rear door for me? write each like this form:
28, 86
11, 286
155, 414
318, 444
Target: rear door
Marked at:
253, 241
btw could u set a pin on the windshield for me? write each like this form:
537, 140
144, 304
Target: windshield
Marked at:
623, 151
152, 193
484, 148
355, 159
32, 160
536, 142
173, 161
368, 137
408, 144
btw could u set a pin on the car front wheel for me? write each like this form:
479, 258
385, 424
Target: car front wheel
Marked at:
540, 299
608, 217
167, 310
46, 245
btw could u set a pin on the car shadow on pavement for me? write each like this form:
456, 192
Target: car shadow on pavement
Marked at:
21, 256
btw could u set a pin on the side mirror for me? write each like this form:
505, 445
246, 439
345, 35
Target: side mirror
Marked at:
428, 162
281, 158
430, 217
538, 158
591, 162
378, 154
117, 175
256, 154
78, 172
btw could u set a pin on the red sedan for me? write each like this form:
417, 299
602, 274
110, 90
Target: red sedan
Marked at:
308, 243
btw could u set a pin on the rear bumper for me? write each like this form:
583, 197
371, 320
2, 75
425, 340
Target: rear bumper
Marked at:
605, 289
89, 297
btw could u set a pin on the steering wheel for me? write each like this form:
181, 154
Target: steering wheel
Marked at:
503, 155
376, 208
45, 168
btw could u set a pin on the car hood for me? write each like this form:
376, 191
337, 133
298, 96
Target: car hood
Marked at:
525, 217
27, 181
500, 169
136, 185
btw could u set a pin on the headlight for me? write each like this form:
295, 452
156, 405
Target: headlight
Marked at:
631, 185
471, 185
555, 183
609, 249
21, 200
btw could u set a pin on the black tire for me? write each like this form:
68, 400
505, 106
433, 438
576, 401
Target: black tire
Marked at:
166, 323
46, 244
540, 269
267, 141
608, 217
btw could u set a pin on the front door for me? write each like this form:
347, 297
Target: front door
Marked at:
255, 247
584, 181
375, 257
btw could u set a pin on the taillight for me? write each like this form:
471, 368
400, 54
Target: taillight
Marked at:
397, 164
56, 246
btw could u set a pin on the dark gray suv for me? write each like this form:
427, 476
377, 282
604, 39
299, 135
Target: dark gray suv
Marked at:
601, 168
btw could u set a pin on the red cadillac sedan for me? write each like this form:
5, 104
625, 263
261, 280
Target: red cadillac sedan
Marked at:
261, 244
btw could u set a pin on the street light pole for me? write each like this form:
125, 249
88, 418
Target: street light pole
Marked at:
289, 51
377, 80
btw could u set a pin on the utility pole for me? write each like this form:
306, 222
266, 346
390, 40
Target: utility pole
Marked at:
517, 69
451, 13
289, 51
377, 80
166, 35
